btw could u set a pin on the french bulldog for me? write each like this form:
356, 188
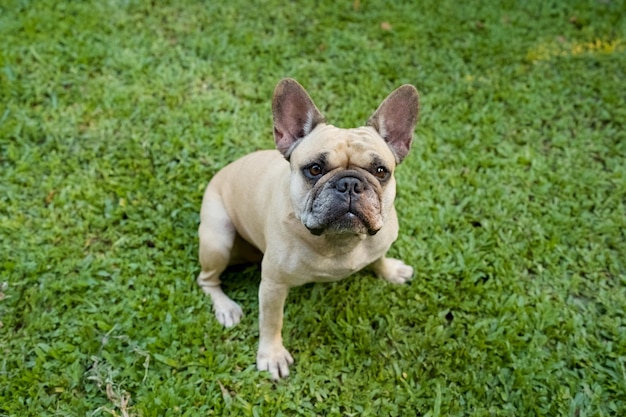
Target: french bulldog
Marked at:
317, 209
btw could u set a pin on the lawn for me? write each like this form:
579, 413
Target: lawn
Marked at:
115, 114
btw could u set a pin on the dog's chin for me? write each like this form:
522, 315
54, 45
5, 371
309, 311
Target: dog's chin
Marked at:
347, 224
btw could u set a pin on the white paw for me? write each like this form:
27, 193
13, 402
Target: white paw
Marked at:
395, 271
227, 312
276, 361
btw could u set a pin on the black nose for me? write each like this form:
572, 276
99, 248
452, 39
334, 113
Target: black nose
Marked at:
349, 185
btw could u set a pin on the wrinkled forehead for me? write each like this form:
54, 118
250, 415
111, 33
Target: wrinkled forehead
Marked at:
360, 146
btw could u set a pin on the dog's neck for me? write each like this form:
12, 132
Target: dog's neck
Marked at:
336, 244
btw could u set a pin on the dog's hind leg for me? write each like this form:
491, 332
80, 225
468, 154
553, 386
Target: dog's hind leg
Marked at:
217, 237
392, 270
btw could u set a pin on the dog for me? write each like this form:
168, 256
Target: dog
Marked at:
317, 209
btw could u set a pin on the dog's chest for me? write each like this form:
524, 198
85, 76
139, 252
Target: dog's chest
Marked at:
310, 266
329, 270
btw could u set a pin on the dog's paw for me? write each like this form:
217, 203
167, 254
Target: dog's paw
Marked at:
276, 361
393, 270
227, 312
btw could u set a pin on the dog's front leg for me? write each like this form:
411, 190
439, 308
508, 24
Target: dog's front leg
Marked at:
272, 355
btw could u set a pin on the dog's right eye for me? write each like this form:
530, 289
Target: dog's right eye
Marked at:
313, 171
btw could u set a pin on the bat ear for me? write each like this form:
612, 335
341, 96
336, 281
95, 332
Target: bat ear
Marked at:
395, 119
295, 115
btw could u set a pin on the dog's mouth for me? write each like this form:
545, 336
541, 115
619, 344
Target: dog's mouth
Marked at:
349, 222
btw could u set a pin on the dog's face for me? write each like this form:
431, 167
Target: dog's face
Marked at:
342, 179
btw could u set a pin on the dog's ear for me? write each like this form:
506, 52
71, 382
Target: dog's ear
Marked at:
395, 119
295, 115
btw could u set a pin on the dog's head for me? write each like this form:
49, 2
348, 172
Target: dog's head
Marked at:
342, 180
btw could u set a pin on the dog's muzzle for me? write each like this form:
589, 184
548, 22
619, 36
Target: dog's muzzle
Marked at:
345, 204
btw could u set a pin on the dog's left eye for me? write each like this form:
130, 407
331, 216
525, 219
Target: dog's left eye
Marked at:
313, 171
381, 173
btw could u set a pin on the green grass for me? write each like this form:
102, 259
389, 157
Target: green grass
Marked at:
115, 114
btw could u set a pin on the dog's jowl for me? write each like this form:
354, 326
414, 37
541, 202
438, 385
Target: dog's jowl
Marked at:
319, 208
